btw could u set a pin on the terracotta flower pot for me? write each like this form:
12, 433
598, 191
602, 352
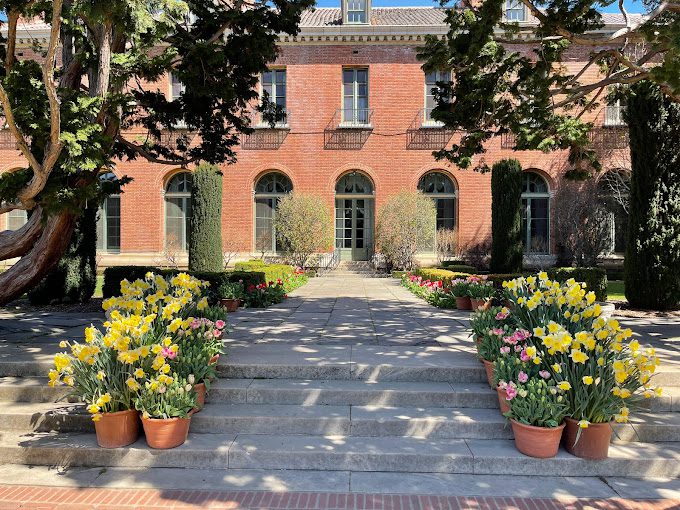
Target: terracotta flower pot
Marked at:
502, 400
166, 433
539, 442
115, 430
475, 303
490, 369
214, 359
200, 390
463, 303
230, 305
592, 444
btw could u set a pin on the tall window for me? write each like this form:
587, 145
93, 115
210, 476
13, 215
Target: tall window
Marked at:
355, 96
356, 11
178, 211
613, 190
431, 80
535, 214
269, 190
515, 10
613, 114
274, 84
108, 220
442, 190
176, 87
16, 219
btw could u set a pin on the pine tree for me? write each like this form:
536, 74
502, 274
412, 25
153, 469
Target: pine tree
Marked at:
652, 265
205, 237
506, 217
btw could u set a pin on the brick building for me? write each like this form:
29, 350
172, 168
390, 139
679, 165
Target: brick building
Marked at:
358, 130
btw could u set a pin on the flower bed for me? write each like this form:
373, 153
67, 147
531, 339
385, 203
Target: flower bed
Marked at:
155, 358
557, 359
447, 293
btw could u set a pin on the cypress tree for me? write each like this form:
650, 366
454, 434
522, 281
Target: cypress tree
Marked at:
652, 264
506, 217
205, 239
75, 276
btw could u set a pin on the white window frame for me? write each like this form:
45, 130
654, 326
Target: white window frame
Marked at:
186, 196
515, 6
613, 114
355, 121
275, 196
354, 8
273, 95
104, 219
529, 197
440, 76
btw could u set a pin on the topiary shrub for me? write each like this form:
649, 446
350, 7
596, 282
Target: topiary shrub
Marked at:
406, 222
652, 263
75, 276
506, 217
205, 241
303, 226
595, 278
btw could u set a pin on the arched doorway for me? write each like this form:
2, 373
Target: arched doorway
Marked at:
354, 204
269, 190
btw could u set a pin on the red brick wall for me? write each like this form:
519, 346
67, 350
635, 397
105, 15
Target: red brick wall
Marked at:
314, 80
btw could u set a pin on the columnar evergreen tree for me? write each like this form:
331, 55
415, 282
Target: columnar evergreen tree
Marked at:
506, 217
205, 236
78, 102
74, 278
652, 265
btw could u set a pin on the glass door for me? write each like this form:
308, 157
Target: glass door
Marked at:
354, 228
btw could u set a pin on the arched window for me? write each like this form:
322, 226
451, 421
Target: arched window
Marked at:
354, 216
354, 183
108, 219
613, 192
178, 211
535, 214
442, 190
269, 189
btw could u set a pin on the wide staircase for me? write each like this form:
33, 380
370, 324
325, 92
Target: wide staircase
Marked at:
355, 268
323, 408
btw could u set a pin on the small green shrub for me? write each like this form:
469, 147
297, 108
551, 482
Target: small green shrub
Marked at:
595, 278
443, 275
205, 241
272, 272
459, 268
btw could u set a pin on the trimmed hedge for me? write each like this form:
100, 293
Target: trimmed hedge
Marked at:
497, 279
506, 216
443, 275
205, 241
459, 268
115, 274
595, 278
272, 272
74, 278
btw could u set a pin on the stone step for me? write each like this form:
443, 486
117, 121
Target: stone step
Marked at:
363, 421
338, 453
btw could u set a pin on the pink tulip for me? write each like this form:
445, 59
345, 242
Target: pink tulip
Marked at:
522, 377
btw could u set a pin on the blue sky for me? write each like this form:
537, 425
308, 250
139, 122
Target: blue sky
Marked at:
631, 5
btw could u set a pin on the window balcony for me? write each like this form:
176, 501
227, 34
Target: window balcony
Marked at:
348, 129
425, 133
355, 118
283, 123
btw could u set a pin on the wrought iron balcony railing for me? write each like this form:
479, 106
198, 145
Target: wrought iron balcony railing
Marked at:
354, 118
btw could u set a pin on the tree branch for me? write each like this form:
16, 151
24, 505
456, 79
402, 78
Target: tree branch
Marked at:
15, 243
150, 157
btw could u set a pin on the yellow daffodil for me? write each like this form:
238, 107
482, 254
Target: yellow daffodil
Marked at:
587, 380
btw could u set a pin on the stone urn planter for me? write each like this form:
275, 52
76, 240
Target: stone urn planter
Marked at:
463, 303
115, 430
539, 442
165, 433
592, 443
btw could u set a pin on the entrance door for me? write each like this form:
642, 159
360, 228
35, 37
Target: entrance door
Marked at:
354, 228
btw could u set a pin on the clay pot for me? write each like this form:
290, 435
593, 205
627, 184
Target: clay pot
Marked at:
463, 303
502, 400
214, 359
592, 444
115, 430
539, 442
475, 303
490, 369
200, 390
166, 433
230, 305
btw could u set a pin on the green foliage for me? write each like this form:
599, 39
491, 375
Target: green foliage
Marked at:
230, 291
272, 272
457, 267
538, 404
405, 222
205, 241
506, 217
304, 226
439, 275
497, 279
175, 402
652, 264
75, 276
595, 278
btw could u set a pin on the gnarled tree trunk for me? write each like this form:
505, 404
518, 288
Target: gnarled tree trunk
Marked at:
38, 259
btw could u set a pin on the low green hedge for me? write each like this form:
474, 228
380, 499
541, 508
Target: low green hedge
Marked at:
115, 274
272, 272
459, 268
443, 275
497, 279
595, 278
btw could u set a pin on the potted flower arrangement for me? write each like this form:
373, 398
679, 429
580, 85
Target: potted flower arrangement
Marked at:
603, 373
512, 368
536, 414
489, 326
480, 291
264, 294
459, 289
166, 404
229, 295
